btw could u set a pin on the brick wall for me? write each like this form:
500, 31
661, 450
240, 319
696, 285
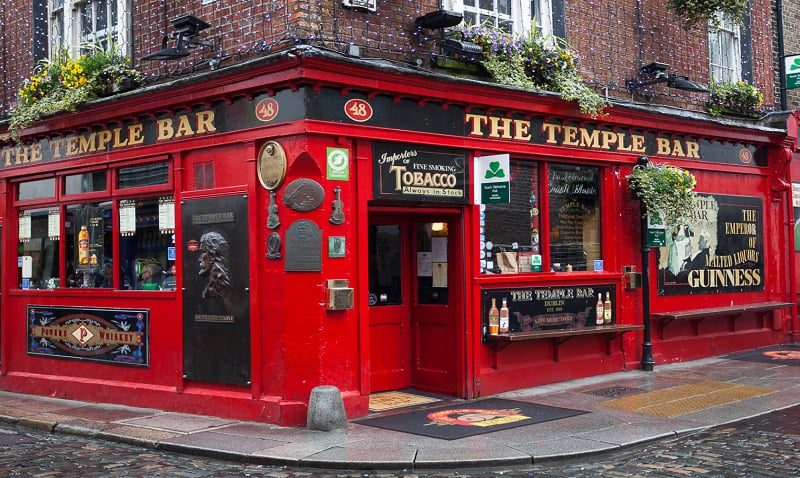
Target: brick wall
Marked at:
612, 37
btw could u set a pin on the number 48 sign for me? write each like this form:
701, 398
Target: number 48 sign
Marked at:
358, 110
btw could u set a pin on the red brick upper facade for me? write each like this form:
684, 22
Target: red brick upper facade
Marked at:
613, 38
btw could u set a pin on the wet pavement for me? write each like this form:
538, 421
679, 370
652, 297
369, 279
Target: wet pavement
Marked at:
636, 424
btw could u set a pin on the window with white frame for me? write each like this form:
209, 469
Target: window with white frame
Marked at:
724, 51
76, 23
512, 16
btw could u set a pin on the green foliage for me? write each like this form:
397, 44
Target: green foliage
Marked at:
664, 187
700, 12
63, 83
535, 63
738, 98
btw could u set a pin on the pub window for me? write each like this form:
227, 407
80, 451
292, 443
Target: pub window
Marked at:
145, 245
38, 189
385, 286
574, 198
152, 174
89, 234
38, 250
92, 182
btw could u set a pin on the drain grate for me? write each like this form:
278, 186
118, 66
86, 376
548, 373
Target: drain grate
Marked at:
615, 391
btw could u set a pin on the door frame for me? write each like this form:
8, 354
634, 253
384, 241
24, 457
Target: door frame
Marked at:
457, 288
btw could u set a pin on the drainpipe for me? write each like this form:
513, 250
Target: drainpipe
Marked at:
781, 53
648, 362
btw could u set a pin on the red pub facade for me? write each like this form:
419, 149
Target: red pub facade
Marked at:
222, 244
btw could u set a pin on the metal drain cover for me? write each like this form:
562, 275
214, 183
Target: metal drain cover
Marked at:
615, 391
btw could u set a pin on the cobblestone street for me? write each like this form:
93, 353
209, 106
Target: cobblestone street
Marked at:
767, 446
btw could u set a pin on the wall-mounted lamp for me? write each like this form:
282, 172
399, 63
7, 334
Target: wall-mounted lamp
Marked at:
187, 28
655, 73
458, 49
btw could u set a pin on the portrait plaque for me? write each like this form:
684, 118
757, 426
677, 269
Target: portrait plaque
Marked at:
303, 247
303, 195
271, 165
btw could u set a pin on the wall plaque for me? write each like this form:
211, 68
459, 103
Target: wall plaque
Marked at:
303, 247
98, 335
303, 195
271, 165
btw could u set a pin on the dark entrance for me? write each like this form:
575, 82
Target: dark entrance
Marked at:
216, 280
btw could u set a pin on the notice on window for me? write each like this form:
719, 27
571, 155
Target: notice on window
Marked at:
439, 249
424, 264
24, 227
166, 215
439, 274
54, 224
127, 218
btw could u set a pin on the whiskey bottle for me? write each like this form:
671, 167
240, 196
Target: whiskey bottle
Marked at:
504, 317
598, 310
494, 318
607, 309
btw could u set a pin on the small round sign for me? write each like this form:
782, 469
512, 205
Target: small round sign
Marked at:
267, 109
745, 156
358, 110
271, 165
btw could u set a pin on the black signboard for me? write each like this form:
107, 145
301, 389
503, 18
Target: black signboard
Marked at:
411, 172
216, 301
549, 308
720, 249
117, 336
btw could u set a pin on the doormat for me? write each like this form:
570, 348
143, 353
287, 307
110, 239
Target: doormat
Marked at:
469, 419
787, 354
379, 402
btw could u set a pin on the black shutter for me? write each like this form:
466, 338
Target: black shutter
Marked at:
559, 19
40, 30
746, 48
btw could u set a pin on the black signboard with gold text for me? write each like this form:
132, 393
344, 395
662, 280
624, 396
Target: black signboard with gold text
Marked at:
410, 172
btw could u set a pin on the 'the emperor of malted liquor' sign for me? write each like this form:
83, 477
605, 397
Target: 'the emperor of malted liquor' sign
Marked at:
410, 172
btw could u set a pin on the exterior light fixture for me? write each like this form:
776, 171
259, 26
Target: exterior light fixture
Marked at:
462, 50
655, 73
187, 28
438, 19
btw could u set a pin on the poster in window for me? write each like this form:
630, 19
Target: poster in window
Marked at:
24, 226
720, 249
574, 217
90, 237
127, 218
54, 224
166, 215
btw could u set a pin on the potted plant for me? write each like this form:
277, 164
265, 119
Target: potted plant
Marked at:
739, 98
701, 12
666, 188
63, 83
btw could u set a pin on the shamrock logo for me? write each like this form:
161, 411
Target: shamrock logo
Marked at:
495, 171
795, 65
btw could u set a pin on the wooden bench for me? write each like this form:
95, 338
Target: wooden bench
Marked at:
734, 311
558, 337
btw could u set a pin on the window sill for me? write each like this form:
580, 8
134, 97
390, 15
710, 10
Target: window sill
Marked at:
90, 294
549, 277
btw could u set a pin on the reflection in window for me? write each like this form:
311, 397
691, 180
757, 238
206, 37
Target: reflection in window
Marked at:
574, 198
39, 189
88, 229
510, 234
145, 175
144, 254
384, 265
39, 251
85, 183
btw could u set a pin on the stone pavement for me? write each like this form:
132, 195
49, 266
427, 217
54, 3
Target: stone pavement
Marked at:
625, 409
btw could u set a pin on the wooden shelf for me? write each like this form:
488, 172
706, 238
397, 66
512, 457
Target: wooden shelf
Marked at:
545, 334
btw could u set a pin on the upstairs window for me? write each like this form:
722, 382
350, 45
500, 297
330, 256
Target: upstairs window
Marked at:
76, 23
724, 51
511, 16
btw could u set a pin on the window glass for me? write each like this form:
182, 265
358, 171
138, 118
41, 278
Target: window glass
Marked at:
724, 51
85, 183
38, 251
79, 23
88, 229
384, 265
145, 175
145, 253
39, 189
574, 207
510, 233
432, 263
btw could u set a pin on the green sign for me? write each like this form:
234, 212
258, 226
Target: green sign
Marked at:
338, 161
792, 64
492, 181
656, 237
495, 193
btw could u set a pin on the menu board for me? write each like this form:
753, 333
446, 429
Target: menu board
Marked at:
574, 216
549, 308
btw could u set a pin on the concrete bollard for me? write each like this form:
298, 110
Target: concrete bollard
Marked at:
325, 409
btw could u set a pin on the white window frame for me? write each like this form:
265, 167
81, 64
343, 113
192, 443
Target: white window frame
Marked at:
521, 14
70, 19
725, 65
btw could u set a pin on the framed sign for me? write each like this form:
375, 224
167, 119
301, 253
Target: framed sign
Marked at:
271, 165
412, 172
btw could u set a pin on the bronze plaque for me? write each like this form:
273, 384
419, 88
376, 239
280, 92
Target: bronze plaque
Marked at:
303, 247
271, 165
303, 195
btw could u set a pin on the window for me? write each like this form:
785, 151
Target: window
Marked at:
80, 234
724, 51
512, 16
74, 23
511, 241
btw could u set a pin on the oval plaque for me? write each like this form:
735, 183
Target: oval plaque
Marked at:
271, 165
303, 195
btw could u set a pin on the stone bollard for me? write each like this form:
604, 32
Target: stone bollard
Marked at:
325, 409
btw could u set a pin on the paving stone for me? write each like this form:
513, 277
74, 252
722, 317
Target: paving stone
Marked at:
363, 456
499, 455
562, 447
220, 441
178, 422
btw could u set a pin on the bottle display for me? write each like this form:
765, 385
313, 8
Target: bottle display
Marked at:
607, 309
504, 317
599, 313
494, 318
83, 246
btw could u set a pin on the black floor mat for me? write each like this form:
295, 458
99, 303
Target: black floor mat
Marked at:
471, 418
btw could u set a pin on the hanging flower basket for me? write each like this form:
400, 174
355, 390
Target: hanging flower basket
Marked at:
700, 12
740, 99
666, 188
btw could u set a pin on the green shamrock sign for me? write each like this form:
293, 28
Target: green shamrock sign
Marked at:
792, 72
795, 65
495, 171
